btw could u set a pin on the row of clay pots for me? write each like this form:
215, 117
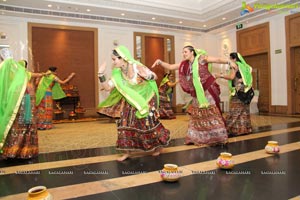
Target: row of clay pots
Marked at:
169, 173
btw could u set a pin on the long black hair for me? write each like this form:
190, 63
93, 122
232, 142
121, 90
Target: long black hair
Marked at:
234, 55
191, 49
115, 53
52, 68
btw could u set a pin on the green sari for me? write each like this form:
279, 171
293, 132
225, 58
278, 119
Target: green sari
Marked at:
14, 80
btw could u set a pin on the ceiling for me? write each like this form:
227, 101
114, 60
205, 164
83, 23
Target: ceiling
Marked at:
183, 15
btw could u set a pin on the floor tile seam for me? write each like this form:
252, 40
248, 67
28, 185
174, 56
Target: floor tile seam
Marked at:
110, 185
112, 157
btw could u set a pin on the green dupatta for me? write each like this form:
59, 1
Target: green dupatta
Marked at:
164, 81
246, 73
137, 95
203, 103
14, 80
57, 91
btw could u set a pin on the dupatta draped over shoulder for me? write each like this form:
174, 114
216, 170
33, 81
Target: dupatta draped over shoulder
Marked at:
193, 86
137, 95
45, 82
246, 73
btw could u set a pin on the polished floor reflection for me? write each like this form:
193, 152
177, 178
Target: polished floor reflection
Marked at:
93, 172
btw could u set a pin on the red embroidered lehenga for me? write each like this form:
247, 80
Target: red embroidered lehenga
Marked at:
206, 125
165, 109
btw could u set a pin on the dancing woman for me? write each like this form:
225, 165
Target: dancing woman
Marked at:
133, 83
238, 120
206, 124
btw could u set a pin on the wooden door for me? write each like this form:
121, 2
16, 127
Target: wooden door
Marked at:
261, 79
154, 49
296, 78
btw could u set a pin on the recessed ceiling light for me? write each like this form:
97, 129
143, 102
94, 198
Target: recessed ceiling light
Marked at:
153, 18
223, 18
123, 14
204, 25
49, 6
88, 10
180, 22
4, 0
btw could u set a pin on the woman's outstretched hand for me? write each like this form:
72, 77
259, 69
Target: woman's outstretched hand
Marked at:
157, 62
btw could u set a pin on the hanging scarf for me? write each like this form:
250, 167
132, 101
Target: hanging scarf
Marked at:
164, 81
196, 90
137, 95
246, 73
57, 91
14, 80
203, 103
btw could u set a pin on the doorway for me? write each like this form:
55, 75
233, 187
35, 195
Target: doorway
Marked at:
261, 79
295, 61
149, 47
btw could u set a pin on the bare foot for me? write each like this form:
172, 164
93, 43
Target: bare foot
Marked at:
157, 151
124, 157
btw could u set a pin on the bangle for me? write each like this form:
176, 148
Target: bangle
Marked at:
102, 79
159, 62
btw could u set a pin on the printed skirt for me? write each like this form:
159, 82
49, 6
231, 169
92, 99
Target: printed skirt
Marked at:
145, 134
22, 138
165, 109
206, 126
238, 120
45, 112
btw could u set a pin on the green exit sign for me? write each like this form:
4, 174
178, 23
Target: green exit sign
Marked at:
239, 26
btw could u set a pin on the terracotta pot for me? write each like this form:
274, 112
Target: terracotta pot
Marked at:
39, 193
272, 147
224, 161
170, 173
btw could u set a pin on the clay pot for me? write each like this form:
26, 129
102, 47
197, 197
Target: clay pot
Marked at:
39, 193
224, 161
170, 173
272, 147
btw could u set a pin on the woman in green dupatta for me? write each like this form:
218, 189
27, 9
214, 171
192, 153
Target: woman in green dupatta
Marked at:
134, 84
238, 120
18, 131
165, 89
48, 89
206, 124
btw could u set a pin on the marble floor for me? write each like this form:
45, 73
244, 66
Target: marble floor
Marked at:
78, 161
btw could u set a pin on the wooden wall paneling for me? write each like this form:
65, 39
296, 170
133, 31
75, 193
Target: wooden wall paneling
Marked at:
254, 44
292, 29
260, 64
71, 49
254, 40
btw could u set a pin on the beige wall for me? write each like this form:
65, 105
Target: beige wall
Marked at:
212, 42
